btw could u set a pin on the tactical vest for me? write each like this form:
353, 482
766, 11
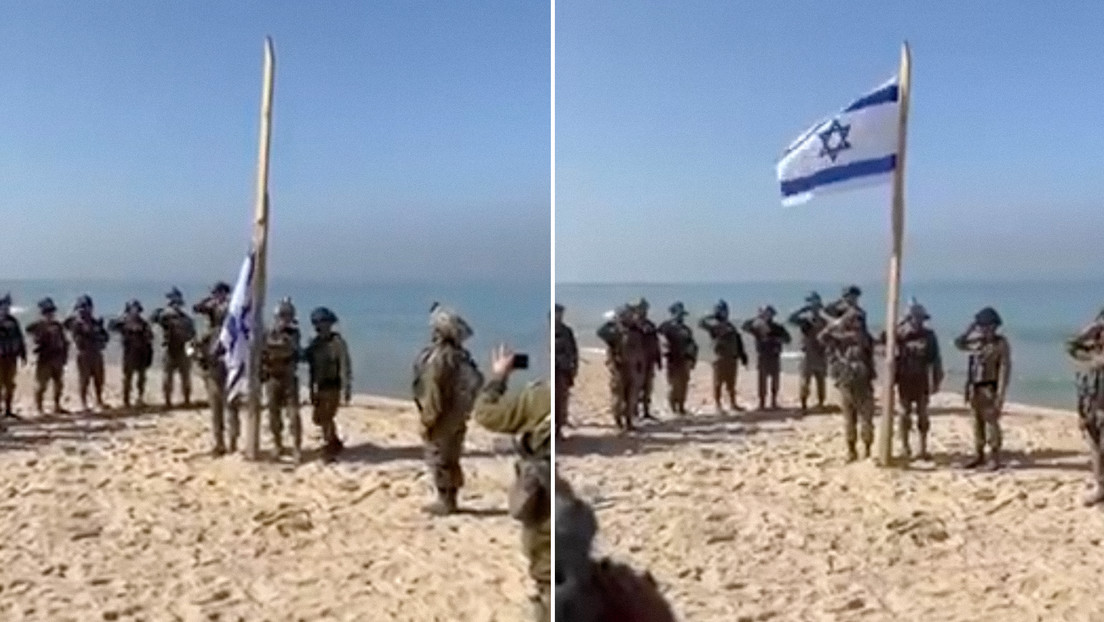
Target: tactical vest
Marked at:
565, 350
50, 342
326, 361
179, 329
985, 362
914, 355
467, 382
725, 338
89, 334
851, 363
280, 356
680, 342
11, 338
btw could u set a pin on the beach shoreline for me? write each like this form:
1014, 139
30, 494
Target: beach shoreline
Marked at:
125, 515
757, 516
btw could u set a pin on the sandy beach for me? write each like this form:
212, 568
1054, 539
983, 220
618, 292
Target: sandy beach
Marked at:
121, 516
755, 516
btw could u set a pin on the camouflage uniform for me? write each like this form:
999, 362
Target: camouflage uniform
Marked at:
627, 362
526, 415
567, 367
13, 349
51, 353
90, 338
331, 378
681, 354
653, 356
918, 373
728, 353
280, 373
770, 338
814, 362
597, 590
446, 382
137, 338
178, 330
1087, 348
986, 383
225, 414
850, 349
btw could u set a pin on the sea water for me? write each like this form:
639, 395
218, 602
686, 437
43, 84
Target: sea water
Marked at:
385, 325
1038, 318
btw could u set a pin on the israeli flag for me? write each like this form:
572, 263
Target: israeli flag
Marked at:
855, 148
237, 333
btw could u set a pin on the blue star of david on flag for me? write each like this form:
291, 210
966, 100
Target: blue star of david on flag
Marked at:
237, 332
826, 139
853, 148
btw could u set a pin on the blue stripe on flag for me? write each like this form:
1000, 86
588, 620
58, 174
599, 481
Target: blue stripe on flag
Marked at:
884, 95
862, 168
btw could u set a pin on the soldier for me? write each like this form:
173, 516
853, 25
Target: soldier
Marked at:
526, 416
13, 349
137, 338
446, 382
814, 364
653, 356
987, 382
770, 338
567, 368
1087, 349
918, 374
225, 419
728, 353
90, 337
849, 299
849, 349
331, 378
627, 362
280, 373
178, 330
51, 354
590, 590
681, 354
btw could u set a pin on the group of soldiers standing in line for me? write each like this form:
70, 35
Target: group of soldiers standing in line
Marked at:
835, 342
327, 358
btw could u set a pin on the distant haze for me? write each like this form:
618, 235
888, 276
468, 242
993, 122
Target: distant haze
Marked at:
670, 119
410, 140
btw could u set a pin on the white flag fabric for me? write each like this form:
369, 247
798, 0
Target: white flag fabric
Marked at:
856, 147
237, 335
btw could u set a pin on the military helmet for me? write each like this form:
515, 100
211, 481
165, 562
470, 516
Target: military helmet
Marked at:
285, 308
917, 310
448, 324
322, 315
46, 305
83, 302
768, 310
642, 304
174, 295
721, 307
6, 299
222, 287
133, 305
559, 307
988, 317
677, 309
852, 290
813, 298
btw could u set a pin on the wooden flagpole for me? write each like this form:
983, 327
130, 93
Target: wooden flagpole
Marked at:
260, 250
885, 440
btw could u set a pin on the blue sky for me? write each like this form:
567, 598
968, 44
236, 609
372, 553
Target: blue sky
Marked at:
670, 118
411, 139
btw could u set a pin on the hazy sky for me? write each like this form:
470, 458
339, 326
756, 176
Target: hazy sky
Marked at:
670, 118
410, 139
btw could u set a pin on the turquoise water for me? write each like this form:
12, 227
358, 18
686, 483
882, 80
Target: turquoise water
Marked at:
385, 324
1037, 318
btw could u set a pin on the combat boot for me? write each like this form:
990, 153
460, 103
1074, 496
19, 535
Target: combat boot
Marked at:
297, 446
278, 444
852, 455
219, 450
994, 461
924, 455
866, 451
445, 503
978, 460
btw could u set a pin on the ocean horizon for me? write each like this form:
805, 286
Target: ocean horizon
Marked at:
1038, 316
385, 323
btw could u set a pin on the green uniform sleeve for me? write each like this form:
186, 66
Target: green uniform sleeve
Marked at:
346, 366
514, 413
936, 360
436, 390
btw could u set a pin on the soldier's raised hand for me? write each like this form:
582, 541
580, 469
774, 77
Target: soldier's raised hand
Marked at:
502, 361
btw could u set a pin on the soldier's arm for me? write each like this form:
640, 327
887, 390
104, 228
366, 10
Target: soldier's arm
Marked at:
797, 318
436, 391
607, 332
346, 368
573, 352
748, 326
741, 352
936, 362
706, 324
783, 334
308, 357
1006, 369
21, 348
498, 412
965, 341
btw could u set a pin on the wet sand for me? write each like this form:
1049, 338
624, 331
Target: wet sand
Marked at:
124, 516
756, 516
